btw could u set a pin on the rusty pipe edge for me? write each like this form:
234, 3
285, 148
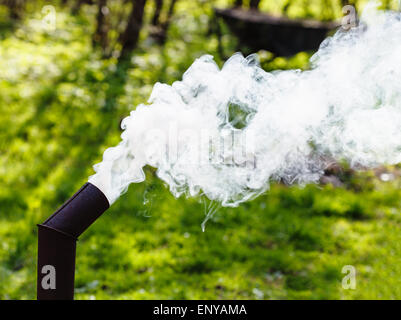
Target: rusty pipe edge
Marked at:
57, 238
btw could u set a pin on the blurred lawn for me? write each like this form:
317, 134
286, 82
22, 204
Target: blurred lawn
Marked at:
60, 108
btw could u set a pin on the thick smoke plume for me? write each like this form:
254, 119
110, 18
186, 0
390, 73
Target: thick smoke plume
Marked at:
228, 133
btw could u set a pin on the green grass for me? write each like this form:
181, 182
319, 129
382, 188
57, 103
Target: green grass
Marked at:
60, 108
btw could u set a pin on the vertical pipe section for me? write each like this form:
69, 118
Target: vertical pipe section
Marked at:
57, 238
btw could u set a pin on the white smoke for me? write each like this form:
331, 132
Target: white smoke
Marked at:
346, 107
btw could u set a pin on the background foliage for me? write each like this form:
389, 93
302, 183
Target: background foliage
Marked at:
61, 102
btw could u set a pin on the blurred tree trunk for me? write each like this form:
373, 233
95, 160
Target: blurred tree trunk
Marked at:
15, 7
286, 6
254, 4
158, 10
349, 2
166, 24
160, 31
100, 37
130, 36
78, 4
345, 2
238, 3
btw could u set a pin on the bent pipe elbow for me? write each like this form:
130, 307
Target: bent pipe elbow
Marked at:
57, 238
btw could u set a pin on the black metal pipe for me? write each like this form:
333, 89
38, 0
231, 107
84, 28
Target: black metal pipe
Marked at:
57, 238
